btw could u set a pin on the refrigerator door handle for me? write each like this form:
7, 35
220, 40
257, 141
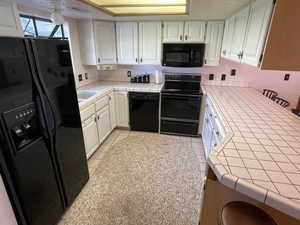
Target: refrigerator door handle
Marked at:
50, 108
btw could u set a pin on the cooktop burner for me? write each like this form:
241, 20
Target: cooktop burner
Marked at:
182, 84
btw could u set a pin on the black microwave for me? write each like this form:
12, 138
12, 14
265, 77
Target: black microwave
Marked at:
183, 55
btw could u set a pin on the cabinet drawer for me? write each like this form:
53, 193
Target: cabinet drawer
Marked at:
88, 112
101, 103
88, 121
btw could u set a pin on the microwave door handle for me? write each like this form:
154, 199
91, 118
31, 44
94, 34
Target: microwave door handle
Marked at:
192, 55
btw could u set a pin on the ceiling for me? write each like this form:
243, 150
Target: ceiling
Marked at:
199, 9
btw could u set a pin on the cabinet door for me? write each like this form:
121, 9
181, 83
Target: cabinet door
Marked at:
103, 123
112, 111
194, 31
260, 15
213, 41
86, 42
105, 42
173, 31
9, 19
127, 42
91, 138
150, 42
207, 133
122, 109
241, 20
227, 39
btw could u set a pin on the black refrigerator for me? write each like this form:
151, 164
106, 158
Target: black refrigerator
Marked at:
42, 155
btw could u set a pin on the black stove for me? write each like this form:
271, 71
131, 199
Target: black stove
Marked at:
180, 104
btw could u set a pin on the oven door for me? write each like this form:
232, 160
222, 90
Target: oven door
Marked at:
183, 55
181, 107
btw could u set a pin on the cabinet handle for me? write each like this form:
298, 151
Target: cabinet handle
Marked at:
98, 118
136, 60
242, 54
109, 98
95, 119
141, 60
186, 37
218, 133
224, 52
180, 37
99, 60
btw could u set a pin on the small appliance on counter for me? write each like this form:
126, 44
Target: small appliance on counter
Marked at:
140, 79
158, 77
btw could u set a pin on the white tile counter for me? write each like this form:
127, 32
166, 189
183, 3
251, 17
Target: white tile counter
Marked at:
260, 156
104, 87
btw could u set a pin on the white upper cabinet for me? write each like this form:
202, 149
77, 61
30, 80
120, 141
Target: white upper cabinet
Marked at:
105, 42
241, 20
173, 31
260, 15
9, 19
150, 43
245, 33
213, 42
194, 31
127, 42
86, 42
228, 35
189, 31
97, 42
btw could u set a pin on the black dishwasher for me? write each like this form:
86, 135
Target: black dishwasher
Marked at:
144, 111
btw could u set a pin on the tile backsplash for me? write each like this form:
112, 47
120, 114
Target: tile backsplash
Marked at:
245, 76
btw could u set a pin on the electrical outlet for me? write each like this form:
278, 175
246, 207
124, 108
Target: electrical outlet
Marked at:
233, 72
287, 76
223, 77
86, 76
128, 73
80, 77
211, 76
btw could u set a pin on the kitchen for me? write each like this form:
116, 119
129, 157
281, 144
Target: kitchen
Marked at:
184, 117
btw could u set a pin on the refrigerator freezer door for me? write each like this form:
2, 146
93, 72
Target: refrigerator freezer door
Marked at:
55, 72
27, 165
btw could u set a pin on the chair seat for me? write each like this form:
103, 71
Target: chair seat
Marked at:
243, 213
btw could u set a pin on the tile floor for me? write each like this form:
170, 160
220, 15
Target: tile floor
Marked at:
139, 178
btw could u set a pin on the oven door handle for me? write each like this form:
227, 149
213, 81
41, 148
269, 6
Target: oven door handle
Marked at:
182, 95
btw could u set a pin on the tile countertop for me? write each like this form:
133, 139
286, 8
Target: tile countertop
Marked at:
105, 87
260, 156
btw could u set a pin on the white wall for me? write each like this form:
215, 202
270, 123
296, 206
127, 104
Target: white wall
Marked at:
78, 68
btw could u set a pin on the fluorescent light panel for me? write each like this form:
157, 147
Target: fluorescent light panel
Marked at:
148, 10
140, 7
138, 2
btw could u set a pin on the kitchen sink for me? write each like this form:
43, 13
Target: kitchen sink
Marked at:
85, 94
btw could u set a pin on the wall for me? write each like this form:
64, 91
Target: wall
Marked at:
246, 76
78, 68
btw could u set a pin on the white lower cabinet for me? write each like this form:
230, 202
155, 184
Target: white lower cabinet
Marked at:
213, 131
122, 109
103, 122
90, 134
112, 111
99, 120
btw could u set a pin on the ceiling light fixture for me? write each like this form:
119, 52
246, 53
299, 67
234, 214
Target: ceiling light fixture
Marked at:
140, 7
